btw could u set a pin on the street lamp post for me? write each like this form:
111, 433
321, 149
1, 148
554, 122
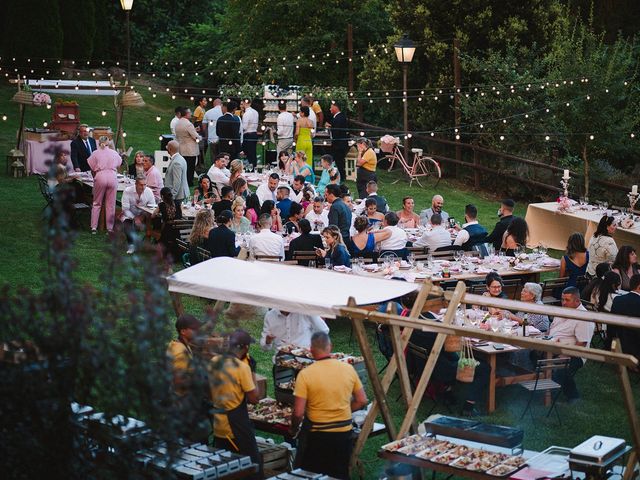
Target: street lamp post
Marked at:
404, 52
126, 6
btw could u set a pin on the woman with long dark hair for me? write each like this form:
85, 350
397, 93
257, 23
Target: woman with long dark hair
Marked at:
608, 291
252, 209
574, 262
269, 207
169, 210
626, 265
602, 247
515, 236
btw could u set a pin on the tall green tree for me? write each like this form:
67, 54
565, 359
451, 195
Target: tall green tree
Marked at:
32, 28
79, 27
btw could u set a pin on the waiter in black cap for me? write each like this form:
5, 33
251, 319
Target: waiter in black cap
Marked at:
233, 384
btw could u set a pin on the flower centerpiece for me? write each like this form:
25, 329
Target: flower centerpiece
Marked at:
627, 222
40, 99
519, 258
564, 204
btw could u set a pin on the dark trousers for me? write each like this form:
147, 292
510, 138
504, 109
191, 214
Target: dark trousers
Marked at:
566, 378
191, 168
249, 147
339, 151
213, 150
129, 228
364, 176
326, 452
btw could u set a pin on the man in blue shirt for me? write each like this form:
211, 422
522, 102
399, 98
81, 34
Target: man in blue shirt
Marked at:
339, 213
284, 202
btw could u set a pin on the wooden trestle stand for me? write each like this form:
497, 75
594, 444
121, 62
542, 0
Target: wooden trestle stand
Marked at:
400, 339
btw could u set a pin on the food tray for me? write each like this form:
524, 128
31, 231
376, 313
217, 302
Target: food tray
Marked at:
554, 460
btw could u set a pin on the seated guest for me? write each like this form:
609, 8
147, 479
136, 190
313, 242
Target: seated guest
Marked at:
169, 210
392, 238
265, 242
62, 158
602, 247
437, 237
133, 217
531, 292
239, 223
330, 173
626, 265
306, 242
136, 168
236, 169
154, 177
217, 172
296, 193
515, 236
205, 192
494, 285
336, 250
267, 191
339, 213
225, 202
471, 233
295, 214
284, 328
505, 213
240, 188
269, 208
307, 199
363, 243
607, 292
318, 217
252, 210
299, 166
408, 218
571, 332
446, 369
372, 192
374, 217
590, 292
199, 236
437, 203
222, 240
629, 305
284, 202
574, 262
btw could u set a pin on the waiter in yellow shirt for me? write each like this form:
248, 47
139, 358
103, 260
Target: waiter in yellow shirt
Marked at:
232, 386
367, 163
326, 393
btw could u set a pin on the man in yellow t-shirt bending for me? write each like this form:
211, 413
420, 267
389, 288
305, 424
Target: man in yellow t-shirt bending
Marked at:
326, 393
232, 386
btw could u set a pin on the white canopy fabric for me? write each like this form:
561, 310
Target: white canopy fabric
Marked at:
68, 87
286, 287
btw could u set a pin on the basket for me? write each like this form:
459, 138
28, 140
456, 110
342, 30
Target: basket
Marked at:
25, 98
387, 143
467, 363
466, 374
132, 99
453, 343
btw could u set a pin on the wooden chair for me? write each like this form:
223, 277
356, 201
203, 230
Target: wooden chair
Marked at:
544, 369
302, 257
183, 227
511, 287
434, 389
417, 250
478, 288
46, 193
203, 253
183, 246
472, 253
548, 288
443, 254
268, 258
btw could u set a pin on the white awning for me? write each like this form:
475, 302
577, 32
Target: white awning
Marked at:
68, 87
286, 287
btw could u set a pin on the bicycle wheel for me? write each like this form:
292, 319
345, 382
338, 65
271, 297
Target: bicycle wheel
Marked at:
433, 169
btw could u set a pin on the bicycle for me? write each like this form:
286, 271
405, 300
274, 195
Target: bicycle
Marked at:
421, 166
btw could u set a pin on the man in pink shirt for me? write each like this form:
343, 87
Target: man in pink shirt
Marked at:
154, 177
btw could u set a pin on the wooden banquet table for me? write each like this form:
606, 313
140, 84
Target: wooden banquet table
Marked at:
551, 228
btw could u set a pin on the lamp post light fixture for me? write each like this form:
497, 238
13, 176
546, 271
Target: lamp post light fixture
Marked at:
127, 5
404, 52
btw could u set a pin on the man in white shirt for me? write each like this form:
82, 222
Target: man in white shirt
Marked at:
267, 191
250, 131
266, 242
392, 238
285, 128
287, 328
306, 102
318, 217
216, 173
210, 118
435, 238
153, 175
372, 192
436, 207
134, 218
296, 192
175, 119
471, 233
571, 332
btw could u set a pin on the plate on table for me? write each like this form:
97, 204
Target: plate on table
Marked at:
445, 458
403, 442
501, 470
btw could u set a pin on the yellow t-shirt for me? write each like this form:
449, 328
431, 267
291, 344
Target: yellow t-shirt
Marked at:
328, 386
180, 357
229, 382
198, 114
370, 160
316, 108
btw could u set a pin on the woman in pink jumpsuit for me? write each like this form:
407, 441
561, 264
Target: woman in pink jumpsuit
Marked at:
104, 163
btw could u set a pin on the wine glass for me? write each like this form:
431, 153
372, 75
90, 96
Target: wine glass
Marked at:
411, 259
312, 264
494, 323
327, 263
543, 250
475, 315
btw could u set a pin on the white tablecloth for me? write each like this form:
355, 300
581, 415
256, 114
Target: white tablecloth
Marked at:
549, 227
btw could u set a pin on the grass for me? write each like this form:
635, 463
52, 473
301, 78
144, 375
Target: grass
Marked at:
600, 411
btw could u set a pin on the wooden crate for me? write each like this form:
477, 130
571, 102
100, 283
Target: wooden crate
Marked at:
275, 458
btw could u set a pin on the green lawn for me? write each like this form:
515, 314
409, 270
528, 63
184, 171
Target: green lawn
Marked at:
600, 411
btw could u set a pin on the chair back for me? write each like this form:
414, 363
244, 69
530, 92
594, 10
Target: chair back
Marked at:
268, 258
549, 364
482, 249
511, 287
183, 227
203, 253
162, 160
44, 189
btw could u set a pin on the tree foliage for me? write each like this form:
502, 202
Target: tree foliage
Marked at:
32, 29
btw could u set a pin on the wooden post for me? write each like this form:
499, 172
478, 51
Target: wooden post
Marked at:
431, 362
401, 364
367, 427
630, 407
176, 300
370, 362
456, 98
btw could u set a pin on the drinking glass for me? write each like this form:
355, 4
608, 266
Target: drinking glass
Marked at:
475, 315
312, 264
494, 323
327, 263
411, 259
543, 249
